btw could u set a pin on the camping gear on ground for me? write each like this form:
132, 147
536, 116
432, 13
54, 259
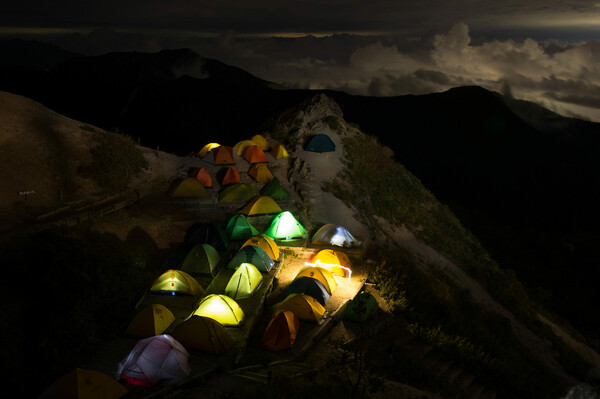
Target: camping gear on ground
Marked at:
254, 255
202, 259
85, 384
243, 282
153, 320
221, 308
156, 359
281, 331
204, 334
309, 286
333, 234
176, 282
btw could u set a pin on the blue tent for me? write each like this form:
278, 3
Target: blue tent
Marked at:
309, 286
320, 143
253, 255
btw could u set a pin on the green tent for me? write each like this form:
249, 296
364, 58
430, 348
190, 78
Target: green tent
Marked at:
243, 282
240, 192
202, 259
239, 228
254, 255
363, 307
285, 227
275, 190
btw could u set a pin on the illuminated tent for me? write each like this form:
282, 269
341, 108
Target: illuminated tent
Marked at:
254, 255
239, 228
202, 175
334, 261
260, 173
279, 151
261, 142
202, 259
320, 143
189, 188
321, 274
363, 307
275, 190
223, 155
85, 384
207, 148
240, 192
203, 334
260, 205
309, 286
155, 359
254, 154
285, 227
208, 233
305, 307
153, 320
266, 243
332, 234
281, 332
176, 282
241, 146
232, 176
221, 308
243, 282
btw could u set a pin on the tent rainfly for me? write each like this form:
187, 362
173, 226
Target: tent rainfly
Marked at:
281, 331
285, 227
321, 274
309, 286
260, 173
231, 176
239, 228
275, 190
203, 334
241, 146
261, 142
176, 282
335, 261
221, 308
320, 143
279, 151
223, 155
254, 154
189, 188
332, 234
266, 243
153, 320
363, 307
202, 175
305, 307
240, 192
202, 259
85, 384
244, 281
155, 359
207, 148
254, 255
261, 205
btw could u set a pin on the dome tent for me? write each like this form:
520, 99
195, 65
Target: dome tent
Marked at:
275, 190
363, 307
155, 359
285, 227
241, 146
223, 155
335, 261
207, 148
254, 255
279, 151
153, 320
230, 176
308, 286
266, 243
261, 205
254, 154
332, 234
320, 143
281, 331
202, 175
240, 192
261, 142
188, 188
260, 173
176, 282
305, 307
221, 308
85, 384
204, 334
239, 228
321, 274
244, 281
202, 259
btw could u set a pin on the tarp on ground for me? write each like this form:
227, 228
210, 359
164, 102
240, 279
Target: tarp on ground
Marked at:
320, 143
279, 151
153, 320
188, 188
281, 331
207, 148
362, 308
335, 261
333, 234
230, 176
176, 282
285, 227
266, 243
84, 384
223, 155
275, 190
155, 359
203, 334
308, 286
261, 205
202, 259
221, 308
254, 255
241, 146
260, 173
305, 307
254, 154
321, 274
207, 233
243, 282
239, 228
261, 142
202, 175
240, 192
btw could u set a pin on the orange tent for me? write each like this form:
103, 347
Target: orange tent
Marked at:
223, 155
232, 176
281, 332
241, 146
202, 175
255, 154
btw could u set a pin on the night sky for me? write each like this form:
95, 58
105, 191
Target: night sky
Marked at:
545, 51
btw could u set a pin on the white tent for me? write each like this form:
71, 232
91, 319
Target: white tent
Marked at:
153, 360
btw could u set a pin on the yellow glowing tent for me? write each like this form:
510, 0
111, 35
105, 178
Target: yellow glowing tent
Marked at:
266, 243
260, 173
261, 142
244, 281
260, 205
153, 320
305, 307
279, 151
204, 334
189, 187
207, 148
176, 282
85, 384
241, 146
335, 261
321, 274
221, 308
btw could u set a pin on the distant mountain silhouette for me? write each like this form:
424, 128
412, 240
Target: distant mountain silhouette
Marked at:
32, 54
